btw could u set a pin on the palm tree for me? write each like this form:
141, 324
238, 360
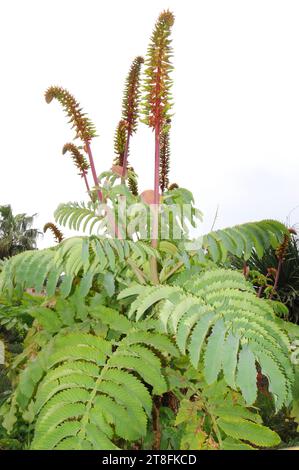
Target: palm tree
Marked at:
16, 232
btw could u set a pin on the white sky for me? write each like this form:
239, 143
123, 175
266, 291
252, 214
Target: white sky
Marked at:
236, 126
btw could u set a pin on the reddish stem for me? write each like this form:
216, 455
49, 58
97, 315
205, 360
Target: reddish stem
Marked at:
260, 291
156, 187
93, 171
157, 164
100, 195
157, 160
125, 161
156, 423
153, 261
276, 277
86, 182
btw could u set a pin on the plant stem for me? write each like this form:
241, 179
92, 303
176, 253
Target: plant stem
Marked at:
276, 277
245, 270
156, 423
125, 161
100, 195
86, 183
156, 188
260, 291
138, 273
173, 270
155, 234
157, 164
93, 171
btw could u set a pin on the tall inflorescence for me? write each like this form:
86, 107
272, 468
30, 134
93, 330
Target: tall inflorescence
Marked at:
78, 158
131, 99
280, 252
157, 101
84, 128
164, 161
55, 231
130, 105
282, 248
120, 140
156, 106
132, 181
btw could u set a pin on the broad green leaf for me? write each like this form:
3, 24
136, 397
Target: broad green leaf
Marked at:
230, 358
246, 375
257, 434
214, 352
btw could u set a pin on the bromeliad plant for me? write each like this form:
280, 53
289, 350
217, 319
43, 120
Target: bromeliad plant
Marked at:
143, 341
276, 275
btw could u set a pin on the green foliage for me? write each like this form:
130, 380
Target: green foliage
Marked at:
236, 425
262, 271
216, 417
243, 240
78, 216
75, 260
16, 233
86, 392
216, 317
130, 346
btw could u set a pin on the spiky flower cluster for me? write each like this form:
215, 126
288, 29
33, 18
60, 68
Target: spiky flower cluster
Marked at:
55, 230
173, 186
131, 99
132, 181
78, 158
84, 128
158, 102
120, 140
282, 248
164, 161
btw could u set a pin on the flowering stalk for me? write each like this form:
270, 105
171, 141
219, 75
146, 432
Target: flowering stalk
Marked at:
157, 101
157, 104
164, 161
55, 231
79, 160
132, 181
280, 254
93, 171
84, 128
120, 140
130, 106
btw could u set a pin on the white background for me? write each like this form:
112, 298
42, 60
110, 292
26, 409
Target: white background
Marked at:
236, 126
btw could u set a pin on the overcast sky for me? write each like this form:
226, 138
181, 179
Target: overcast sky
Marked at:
235, 133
